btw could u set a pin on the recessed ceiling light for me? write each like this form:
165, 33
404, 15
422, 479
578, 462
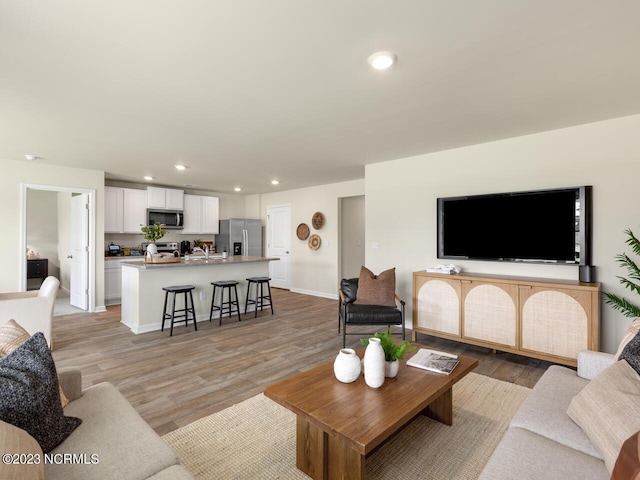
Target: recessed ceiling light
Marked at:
31, 158
237, 189
148, 178
180, 167
382, 60
275, 182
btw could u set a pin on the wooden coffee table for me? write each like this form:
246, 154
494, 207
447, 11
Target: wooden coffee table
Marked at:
339, 424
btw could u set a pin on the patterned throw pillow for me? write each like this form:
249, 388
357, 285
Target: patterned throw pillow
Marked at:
30, 398
377, 289
12, 335
631, 353
632, 331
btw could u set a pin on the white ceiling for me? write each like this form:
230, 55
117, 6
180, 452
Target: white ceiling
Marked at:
245, 91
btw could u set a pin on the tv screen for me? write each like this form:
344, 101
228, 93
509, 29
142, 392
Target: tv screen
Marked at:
544, 226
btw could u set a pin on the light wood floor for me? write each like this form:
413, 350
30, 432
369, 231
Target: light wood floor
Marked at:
172, 381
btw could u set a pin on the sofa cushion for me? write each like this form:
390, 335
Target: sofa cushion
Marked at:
632, 331
608, 409
627, 465
14, 440
30, 394
523, 455
544, 411
175, 472
377, 289
12, 335
126, 446
631, 353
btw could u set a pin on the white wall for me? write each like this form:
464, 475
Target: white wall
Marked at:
16, 173
352, 236
401, 200
315, 272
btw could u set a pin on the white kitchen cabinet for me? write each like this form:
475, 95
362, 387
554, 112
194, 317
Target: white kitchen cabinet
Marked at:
113, 209
125, 210
200, 214
134, 210
113, 280
167, 198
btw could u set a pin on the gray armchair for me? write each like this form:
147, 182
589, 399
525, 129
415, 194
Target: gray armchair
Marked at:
351, 313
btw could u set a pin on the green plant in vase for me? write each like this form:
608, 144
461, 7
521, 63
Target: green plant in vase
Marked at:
392, 351
627, 308
152, 233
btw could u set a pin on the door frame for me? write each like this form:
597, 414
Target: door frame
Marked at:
267, 237
91, 266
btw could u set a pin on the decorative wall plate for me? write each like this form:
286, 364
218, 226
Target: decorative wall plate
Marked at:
317, 220
314, 241
302, 232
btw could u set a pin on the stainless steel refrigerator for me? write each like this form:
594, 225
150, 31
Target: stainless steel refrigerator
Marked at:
240, 236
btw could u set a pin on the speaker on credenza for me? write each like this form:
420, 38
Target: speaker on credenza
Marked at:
587, 273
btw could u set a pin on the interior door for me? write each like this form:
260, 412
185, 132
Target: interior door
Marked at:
279, 244
79, 274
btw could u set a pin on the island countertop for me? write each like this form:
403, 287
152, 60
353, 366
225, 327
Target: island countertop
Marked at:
142, 284
197, 262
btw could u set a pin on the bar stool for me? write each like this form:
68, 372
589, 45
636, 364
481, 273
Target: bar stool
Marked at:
260, 297
230, 306
183, 313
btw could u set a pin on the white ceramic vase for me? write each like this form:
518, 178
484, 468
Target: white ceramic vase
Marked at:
347, 366
374, 364
152, 248
391, 369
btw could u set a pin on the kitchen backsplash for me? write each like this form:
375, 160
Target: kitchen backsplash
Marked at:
132, 240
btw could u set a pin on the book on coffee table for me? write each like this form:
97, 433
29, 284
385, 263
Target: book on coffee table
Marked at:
434, 361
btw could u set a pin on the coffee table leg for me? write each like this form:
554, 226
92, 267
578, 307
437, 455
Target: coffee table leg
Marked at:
441, 409
325, 457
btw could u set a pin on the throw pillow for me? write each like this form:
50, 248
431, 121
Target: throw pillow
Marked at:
12, 335
30, 398
631, 353
632, 331
377, 289
607, 409
628, 463
16, 441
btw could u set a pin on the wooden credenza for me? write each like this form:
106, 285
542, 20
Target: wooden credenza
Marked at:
548, 319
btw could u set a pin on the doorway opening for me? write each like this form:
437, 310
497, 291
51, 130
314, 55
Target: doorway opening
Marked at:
37, 233
352, 233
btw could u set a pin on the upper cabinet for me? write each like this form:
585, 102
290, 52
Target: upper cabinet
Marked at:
168, 198
201, 214
125, 210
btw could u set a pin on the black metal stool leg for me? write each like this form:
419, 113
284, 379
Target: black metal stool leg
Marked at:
221, 305
213, 299
173, 312
246, 300
164, 310
237, 303
193, 311
270, 298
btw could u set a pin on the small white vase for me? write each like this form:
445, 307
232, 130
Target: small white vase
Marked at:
374, 364
347, 366
391, 369
152, 248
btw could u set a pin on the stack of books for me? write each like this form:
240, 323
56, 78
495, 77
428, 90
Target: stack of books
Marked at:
434, 361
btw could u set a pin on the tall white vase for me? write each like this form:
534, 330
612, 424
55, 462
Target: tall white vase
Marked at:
347, 366
374, 364
152, 248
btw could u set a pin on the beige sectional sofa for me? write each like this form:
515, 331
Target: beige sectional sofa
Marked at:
542, 441
113, 440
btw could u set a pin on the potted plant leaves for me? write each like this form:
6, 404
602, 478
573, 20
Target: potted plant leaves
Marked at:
392, 351
616, 302
152, 233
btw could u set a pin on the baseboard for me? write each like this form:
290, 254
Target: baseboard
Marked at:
202, 317
100, 308
332, 296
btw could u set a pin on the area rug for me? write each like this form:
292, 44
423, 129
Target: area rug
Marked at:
255, 439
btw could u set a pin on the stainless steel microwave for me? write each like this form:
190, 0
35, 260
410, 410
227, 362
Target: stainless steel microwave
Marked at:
171, 219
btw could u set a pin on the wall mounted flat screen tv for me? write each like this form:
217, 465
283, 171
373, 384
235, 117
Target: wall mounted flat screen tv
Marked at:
543, 226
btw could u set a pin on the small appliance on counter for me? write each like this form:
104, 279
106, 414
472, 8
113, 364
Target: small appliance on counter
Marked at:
185, 247
114, 250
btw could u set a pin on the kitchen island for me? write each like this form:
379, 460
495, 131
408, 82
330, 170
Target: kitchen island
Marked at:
143, 297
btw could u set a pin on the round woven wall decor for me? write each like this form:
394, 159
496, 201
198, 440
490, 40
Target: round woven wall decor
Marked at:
314, 241
302, 232
317, 220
